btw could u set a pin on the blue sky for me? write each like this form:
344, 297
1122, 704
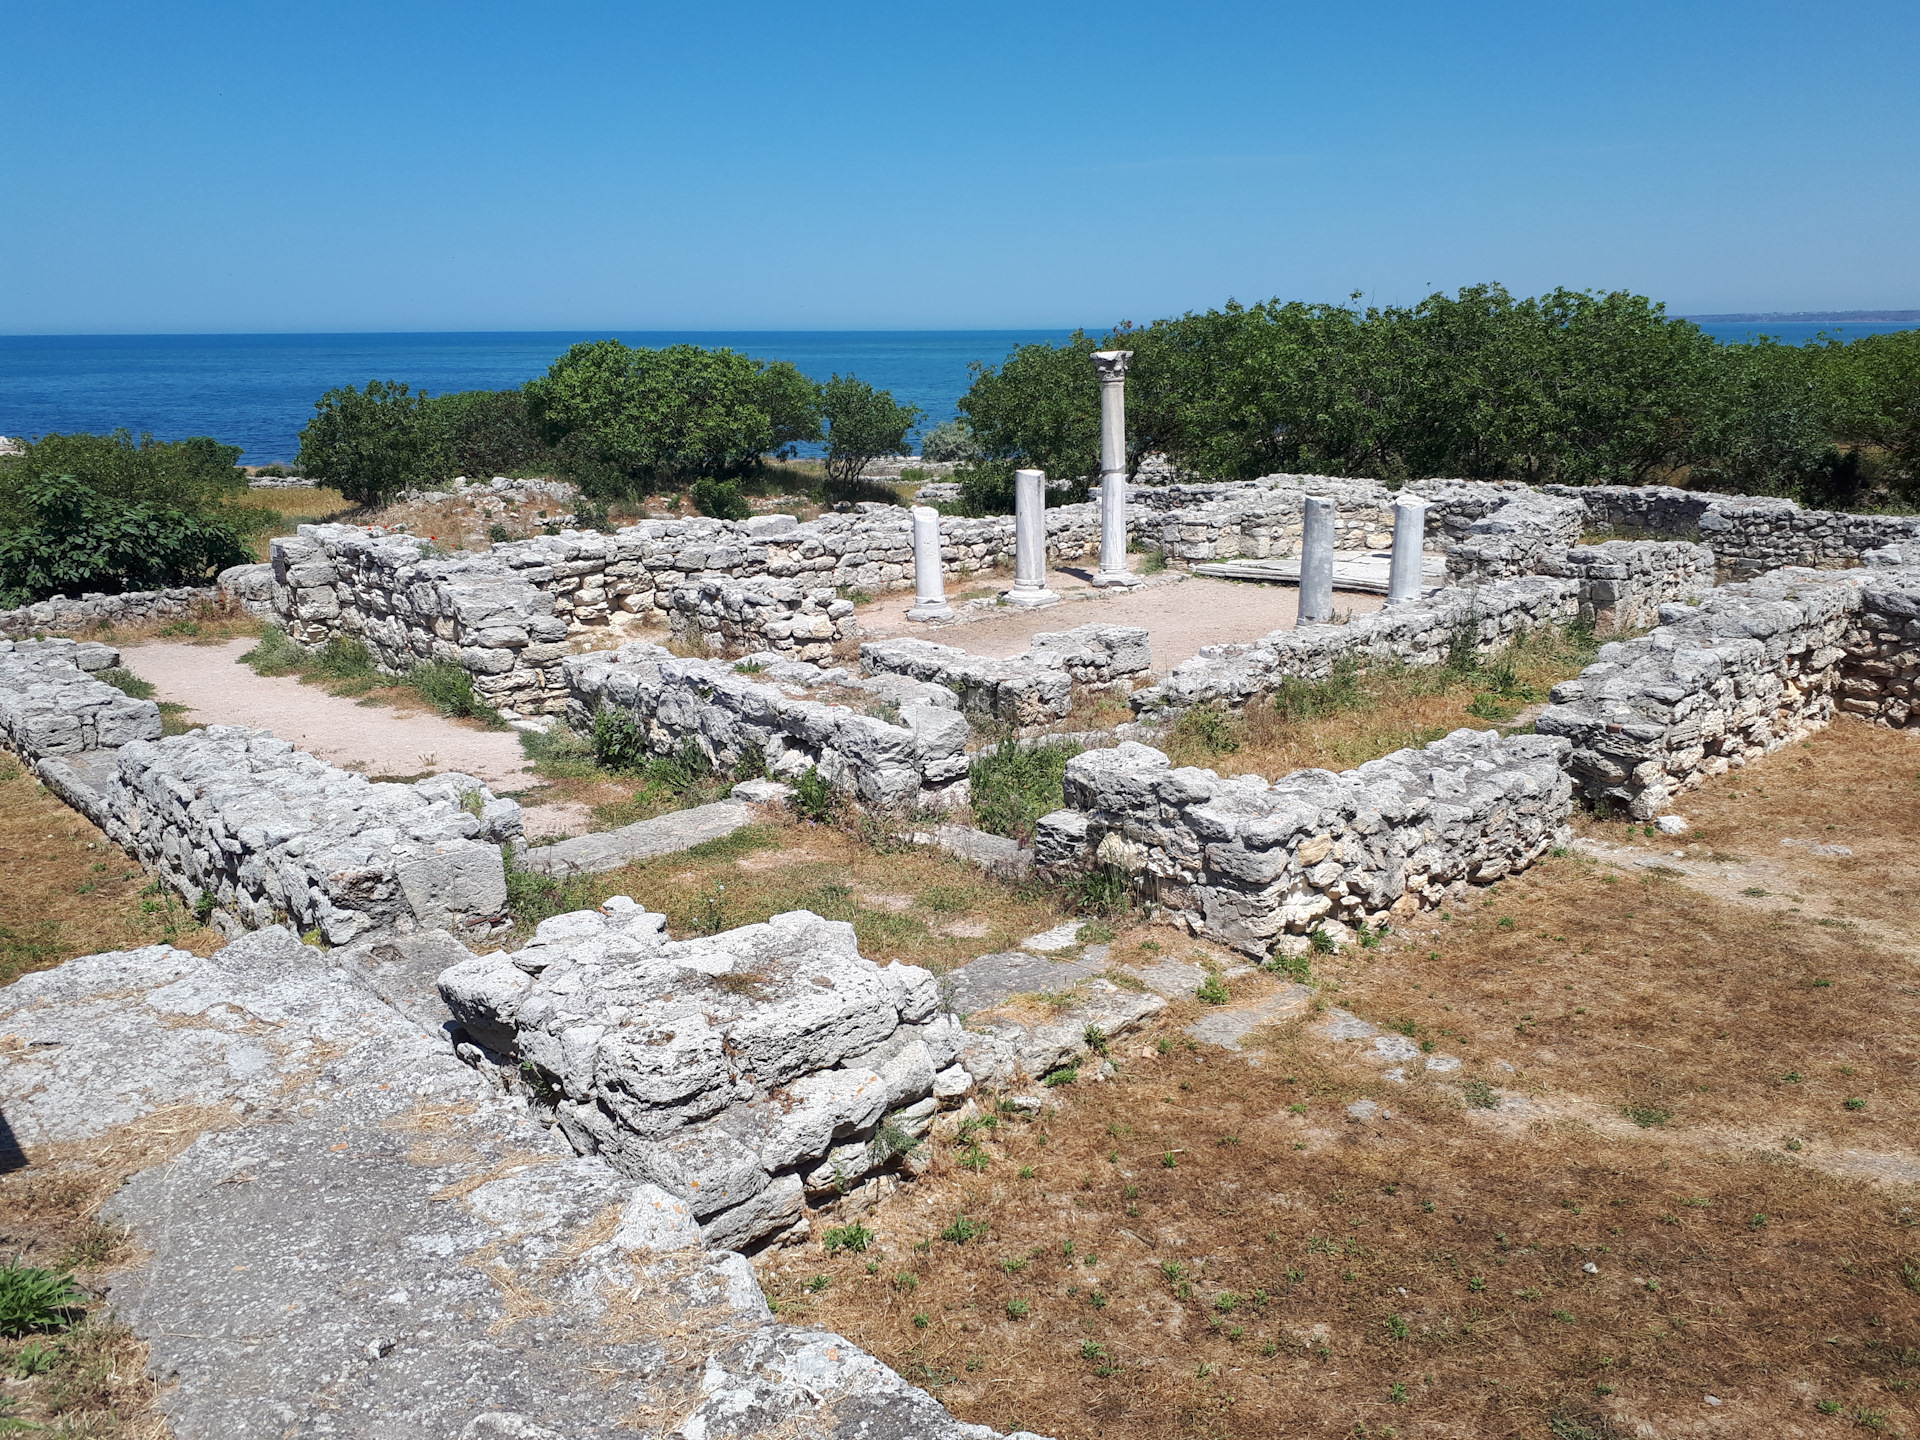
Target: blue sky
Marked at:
475, 166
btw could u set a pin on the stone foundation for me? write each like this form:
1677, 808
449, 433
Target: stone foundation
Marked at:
1028, 689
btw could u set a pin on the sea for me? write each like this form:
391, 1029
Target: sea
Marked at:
256, 391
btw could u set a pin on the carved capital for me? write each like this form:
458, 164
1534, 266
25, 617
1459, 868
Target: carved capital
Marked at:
1111, 365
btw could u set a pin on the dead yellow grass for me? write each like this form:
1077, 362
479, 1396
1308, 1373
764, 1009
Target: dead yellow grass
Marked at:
70, 891
905, 902
1675, 1117
1390, 708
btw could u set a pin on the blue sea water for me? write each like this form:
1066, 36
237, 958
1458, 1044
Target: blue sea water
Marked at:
256, 391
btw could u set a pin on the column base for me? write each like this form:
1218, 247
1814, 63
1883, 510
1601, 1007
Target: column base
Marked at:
1029, 599
930, 611
1116, 579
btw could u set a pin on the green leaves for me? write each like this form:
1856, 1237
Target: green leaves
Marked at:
368, 444
676, 412
35, 1299
862, 423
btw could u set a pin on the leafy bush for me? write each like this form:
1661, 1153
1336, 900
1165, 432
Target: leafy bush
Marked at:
862, 424
368, 444
813, 798
449, 689
950, 441
479, 433
1014, 785
670, 414
33, 1299
69, 539
855, 1237
720, 500
617, 742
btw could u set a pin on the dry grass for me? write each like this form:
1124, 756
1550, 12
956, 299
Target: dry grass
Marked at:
1340, 726
70, 891
905, 902
1424, 1274
90, 1380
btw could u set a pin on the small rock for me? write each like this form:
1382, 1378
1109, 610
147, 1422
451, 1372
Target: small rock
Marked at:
1713, 1399
1591, 1268
1671, 825
1362, 1111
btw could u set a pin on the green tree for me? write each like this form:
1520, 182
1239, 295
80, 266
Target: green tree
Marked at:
478, 433
1761, 429
368, 444
952, 440
862, 424
1870, 396
71, 539
671, 414
196, 474
1039, 410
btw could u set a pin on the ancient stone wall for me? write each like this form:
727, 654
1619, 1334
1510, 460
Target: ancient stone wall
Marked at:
1623, 583
1753, 667
1747, 534
1027, 689
51, 704
724, 616
916, 761
1258, 866
744, 1073
1518, 537
61, 615
246, 829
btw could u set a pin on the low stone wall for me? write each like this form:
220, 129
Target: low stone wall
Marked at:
1520, 537
746, 1074
1027, 689
409, 607
249, 831
1258, 866
919, 762
51, 704
1256, 519
1623, 583
1754, 667
61, 614
1747, 534
1422, 634
737, 616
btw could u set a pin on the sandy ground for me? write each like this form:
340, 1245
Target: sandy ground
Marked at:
1181, 612
373, 739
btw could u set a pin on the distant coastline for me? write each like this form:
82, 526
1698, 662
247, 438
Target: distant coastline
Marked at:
1810, 317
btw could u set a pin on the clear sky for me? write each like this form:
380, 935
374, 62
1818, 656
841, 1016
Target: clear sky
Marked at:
296, 166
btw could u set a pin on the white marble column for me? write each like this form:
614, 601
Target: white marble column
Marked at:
1111, 365
1316, 561
929, 581
1030, 542
1409, 543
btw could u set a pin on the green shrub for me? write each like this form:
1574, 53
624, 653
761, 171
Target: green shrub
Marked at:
1013, 785
478, 433
1213, 990
275, 654
1297, 699
813, 798
449, 689
950, 441
368, 444
862, 424
1210, 729
617, 742
1102, 890
855, 1237
33, 1299
720, 500
68, 539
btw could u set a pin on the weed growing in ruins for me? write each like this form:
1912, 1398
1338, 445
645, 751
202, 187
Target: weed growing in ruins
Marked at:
617, 743
1647, 1117
963, 1229
449, 689
34, 1299
813, 798
1013, 785
125, 680
855, 1237
1205, 728
1213, 990
1103, 890
1297, 699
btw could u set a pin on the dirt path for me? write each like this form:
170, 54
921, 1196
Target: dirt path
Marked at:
373, 739
1181, 612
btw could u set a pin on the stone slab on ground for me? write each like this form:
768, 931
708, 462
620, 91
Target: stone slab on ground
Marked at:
994, 979
365, 1240
1063, 936
1384, 1047
995, 854
1228, 1026
662, 835
1364, 571
403, 970
1031, 1039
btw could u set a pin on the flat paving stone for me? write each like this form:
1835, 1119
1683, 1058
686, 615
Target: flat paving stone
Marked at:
662, 835
993, 979
1228, 1027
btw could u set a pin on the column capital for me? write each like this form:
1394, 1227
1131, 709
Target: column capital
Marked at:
1111, 365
